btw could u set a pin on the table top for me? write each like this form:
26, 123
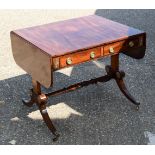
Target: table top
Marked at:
72, 35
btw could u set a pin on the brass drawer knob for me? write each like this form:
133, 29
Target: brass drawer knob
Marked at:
111, 50
69, 61
92, 54
131, 43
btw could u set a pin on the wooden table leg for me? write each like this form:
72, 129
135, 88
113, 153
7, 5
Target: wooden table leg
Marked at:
41, 100
118, 76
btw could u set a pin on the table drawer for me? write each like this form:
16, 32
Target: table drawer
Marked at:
82, 56
117, 47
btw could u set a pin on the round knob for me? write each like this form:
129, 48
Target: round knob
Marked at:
111, 50
92, 54
131, 43
69, 61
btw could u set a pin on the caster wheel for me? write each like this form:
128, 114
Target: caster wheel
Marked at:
56, 136
137, 107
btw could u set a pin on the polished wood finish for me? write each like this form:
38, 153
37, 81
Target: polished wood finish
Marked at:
122, 45
80, 85
41, 100
118, 75
72, 35
43, 49
80, 57
47, 47
32, 60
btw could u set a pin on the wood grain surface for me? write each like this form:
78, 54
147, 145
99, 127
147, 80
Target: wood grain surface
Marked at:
68, 36
34, 61
40, 50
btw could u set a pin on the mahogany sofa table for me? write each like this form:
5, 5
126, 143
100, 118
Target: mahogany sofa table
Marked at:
43, 49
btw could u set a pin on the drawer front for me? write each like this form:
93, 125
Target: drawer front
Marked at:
120, 46
113, 48
75, 58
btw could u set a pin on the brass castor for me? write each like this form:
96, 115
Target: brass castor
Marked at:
56, 136
137, 107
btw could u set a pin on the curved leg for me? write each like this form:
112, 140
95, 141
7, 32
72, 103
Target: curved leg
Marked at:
42, 100
122, 87
113, 70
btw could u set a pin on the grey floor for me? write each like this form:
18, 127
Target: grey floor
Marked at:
97, 114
